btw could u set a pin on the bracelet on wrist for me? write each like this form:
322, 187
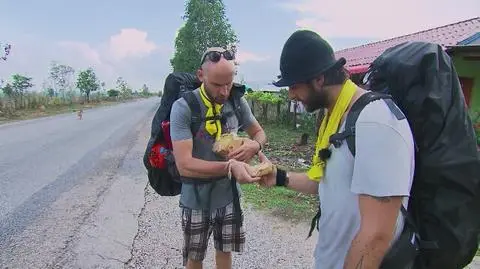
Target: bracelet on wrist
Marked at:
229, 169
260, 145
281, 177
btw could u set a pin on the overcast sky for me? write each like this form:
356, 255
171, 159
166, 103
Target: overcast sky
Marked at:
135, 39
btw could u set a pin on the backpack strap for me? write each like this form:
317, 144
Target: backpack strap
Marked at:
236, 108
194, 105
238, 91
349, 133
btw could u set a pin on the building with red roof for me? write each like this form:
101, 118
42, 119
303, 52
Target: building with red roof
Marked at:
461, 41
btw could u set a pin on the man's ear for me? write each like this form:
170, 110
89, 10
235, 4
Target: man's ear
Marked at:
200, 75
318, 81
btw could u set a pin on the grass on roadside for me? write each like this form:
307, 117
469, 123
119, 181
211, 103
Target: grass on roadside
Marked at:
25, 114
281, 202
282, 150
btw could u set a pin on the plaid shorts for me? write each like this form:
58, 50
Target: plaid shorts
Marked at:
198, 225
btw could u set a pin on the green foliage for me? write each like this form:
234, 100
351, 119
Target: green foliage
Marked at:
284, 94
270, 98
124, 88
145, 91
56, 101
50, 92
61, 76
307, 123
266, 97
87, 82
113, 93
283, 151
206, 26
17, 103
20, 84
253, 95
275, 107
8, 90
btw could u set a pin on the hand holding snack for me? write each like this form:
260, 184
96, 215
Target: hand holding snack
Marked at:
232, 146
227, 143
263, 169
243, 172
269, 172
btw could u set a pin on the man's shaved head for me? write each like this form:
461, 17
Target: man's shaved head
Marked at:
222, 66
217, 77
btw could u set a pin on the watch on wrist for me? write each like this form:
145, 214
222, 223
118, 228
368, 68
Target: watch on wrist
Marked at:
282, 178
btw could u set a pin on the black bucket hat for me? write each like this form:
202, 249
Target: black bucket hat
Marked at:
304, 56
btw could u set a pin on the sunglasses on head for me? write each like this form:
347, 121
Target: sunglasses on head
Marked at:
215, 56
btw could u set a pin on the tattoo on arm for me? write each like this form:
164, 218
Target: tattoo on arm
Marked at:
360, 263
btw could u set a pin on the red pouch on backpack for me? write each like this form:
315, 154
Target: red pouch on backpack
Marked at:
157, 155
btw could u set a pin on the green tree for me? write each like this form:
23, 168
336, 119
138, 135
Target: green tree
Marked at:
145, 90
124, 88
50, 92
8, 90
61, 76
206, 25
20, 84
87, 82
113, 93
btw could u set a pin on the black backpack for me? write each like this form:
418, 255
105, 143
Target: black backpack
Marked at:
418, 80
163, 181
158, 159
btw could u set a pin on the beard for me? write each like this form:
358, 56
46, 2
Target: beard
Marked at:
317, 99
220, 100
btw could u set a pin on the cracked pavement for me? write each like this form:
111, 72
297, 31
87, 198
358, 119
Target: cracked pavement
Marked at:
72, 190
78, 197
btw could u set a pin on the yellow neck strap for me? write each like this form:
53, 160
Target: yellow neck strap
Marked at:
328, 127
213, 127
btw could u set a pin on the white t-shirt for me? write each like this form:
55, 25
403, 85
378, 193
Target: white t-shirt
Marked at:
383, 166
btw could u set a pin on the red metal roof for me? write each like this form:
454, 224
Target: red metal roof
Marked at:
448, 35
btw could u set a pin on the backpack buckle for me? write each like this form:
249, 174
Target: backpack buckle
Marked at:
336, 139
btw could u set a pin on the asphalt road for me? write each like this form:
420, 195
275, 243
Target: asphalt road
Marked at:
53, 172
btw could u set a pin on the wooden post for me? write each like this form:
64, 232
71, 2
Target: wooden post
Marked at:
265, 111
278, 111
295, 115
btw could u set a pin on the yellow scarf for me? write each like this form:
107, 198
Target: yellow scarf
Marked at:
213, 127
329, 127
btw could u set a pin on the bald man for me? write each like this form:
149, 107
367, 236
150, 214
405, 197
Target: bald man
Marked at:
211, 208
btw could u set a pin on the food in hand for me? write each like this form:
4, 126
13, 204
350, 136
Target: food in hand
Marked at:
263, 169
227, 143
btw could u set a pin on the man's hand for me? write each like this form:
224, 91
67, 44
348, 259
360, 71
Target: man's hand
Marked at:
268, 180
242, 172
245, 152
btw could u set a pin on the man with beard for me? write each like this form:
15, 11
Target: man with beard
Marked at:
360, 196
